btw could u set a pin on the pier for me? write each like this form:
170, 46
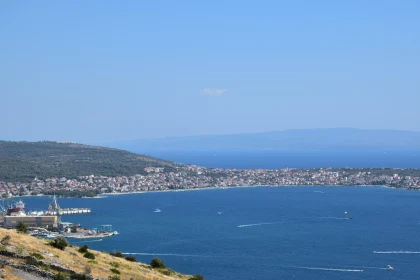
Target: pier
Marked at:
55, 209
68, 211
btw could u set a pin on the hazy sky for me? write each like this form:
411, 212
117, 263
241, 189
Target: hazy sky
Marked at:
98, 71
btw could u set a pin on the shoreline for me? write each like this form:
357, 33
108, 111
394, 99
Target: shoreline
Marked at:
105, 195
236, 187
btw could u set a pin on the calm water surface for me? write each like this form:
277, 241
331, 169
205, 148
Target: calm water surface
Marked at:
294, 159
264, 233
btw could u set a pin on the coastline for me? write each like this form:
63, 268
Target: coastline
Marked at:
105, 195
256, 186
183, 190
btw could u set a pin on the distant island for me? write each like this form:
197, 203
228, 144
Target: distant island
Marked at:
74, 170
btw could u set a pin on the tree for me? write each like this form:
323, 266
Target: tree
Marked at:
59, 243
157, 263
21, 227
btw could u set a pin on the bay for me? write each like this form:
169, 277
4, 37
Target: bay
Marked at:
262, 232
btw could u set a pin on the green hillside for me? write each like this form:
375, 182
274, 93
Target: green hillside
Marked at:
22, 161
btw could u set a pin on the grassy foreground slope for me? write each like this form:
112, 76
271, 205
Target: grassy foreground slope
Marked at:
70, 258
23, 161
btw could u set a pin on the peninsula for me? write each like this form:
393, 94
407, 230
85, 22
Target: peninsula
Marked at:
70, 169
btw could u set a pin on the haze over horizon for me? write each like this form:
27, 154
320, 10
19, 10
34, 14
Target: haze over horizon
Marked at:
96, 72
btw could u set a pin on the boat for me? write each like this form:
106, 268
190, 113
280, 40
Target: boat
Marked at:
220, 213
157, 210
388, 267
53, 235
347, 217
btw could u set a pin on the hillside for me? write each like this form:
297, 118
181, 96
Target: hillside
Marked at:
21, 246
296, 139
23, 161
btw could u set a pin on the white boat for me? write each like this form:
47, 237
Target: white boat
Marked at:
388, 267
157, 210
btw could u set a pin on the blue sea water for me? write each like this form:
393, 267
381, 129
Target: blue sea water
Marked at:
294, 159
263, 232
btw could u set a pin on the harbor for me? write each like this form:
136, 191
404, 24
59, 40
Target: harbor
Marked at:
48, 223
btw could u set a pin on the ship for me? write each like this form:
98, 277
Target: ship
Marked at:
17, 210
16, 213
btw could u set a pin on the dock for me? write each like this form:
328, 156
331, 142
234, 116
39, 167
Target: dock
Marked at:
68, 211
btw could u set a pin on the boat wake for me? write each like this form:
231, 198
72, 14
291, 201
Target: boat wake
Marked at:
319, 192
259, 224
334, 218
89, 241
396, 252
328, 269
371, 267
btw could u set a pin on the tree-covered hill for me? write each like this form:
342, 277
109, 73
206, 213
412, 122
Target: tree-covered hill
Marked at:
23, 161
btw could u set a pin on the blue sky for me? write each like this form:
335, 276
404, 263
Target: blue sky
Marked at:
98, 71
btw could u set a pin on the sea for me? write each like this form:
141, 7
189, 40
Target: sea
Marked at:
261, 233
273, 159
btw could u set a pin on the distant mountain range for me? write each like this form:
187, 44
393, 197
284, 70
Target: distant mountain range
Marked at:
23, 161
297, 139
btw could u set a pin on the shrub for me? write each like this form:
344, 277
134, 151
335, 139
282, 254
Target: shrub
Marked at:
80, 276
168, 272
157, 263
117, 254
130, 259
114, 264
88, 270
37, 256
59, 276
83, 249
89, 255
5, 240
20, 250
116, 271
59, 243
197, 277
21, 227
31, 261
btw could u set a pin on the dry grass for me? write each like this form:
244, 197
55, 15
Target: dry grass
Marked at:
71, 258
10, 275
